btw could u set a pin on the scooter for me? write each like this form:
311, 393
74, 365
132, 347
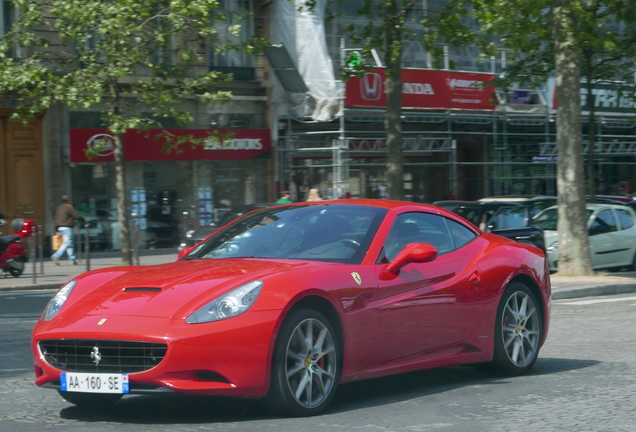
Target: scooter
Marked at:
13, 254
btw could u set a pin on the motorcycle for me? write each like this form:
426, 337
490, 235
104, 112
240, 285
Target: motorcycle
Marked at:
13, 253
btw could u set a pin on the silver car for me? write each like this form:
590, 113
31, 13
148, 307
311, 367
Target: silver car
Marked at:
611, 230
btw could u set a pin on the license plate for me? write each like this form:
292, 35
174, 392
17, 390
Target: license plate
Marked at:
94, 382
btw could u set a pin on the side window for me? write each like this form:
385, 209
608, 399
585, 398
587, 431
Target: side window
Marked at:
509, 217
603, 223
625, 218
417, 228
460, 234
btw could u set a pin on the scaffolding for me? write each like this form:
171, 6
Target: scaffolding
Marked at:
448, 153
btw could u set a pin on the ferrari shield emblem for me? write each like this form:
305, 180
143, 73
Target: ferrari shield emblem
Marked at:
101, 322
357, 278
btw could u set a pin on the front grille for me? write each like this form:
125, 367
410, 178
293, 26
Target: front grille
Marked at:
102, 356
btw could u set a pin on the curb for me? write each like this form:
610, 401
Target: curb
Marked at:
32, 287
590, 291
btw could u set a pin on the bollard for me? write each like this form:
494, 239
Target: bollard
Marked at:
87, 248
135, 242
41, 248
78, 241
32, 245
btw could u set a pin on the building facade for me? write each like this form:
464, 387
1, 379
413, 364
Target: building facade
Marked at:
296, 125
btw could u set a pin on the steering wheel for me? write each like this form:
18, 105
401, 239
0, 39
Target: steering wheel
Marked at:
350, 243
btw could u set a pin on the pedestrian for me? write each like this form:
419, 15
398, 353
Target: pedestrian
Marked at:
284, 198
65, 217
313, 195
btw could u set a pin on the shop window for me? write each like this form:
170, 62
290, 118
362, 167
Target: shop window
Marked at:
9, 15
85, 119
233, 59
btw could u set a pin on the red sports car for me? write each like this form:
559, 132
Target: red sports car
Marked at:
286, 302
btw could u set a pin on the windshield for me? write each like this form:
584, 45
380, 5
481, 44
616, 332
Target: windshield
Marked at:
324, 232
547, 219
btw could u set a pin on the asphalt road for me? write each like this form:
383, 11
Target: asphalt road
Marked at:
584, 380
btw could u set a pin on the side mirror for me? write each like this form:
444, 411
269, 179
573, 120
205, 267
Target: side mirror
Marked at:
184, 252
414, 252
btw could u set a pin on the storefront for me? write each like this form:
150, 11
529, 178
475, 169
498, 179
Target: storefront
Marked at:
170, 191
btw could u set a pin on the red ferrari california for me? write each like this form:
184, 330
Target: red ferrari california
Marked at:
287, 302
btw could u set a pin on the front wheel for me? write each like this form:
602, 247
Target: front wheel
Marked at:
306, 365
518, 331
90, 400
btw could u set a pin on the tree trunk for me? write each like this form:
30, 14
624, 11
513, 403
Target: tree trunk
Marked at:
393, 118
574, 254
123, 214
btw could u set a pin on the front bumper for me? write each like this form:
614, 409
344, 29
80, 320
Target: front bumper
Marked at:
226, 358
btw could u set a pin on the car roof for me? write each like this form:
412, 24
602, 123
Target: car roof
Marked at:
595, 206
517, 198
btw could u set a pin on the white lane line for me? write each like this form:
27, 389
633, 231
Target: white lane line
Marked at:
605, 300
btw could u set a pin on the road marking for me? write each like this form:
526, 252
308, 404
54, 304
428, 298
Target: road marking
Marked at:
605, 300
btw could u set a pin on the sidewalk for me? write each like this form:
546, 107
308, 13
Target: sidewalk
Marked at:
55, 276
563, 287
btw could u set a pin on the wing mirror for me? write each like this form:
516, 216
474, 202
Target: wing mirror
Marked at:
414, 252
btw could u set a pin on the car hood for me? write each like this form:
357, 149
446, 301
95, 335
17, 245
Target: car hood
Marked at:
167, 290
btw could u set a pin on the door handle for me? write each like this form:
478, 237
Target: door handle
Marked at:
475, 278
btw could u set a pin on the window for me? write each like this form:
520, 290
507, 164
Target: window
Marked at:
460, 234
509, 217
446, 235
604, 222
625, 218
233, 59
9, 14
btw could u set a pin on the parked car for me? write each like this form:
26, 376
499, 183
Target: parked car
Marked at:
507, 216
479, 213
287, 302
535, 203
611, 230
195, 236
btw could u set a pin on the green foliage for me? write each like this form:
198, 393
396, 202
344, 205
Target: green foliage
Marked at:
605, 31
117, 53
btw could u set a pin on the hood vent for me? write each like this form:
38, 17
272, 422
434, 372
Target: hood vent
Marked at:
142, 289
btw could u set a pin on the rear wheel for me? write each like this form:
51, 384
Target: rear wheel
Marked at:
306, 365
16, 268
90, 400
518, 331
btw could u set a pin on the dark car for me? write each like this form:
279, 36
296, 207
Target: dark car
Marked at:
479, 213
195, 236
507, 216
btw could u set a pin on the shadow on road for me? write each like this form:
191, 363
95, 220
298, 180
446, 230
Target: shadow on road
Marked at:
187, 409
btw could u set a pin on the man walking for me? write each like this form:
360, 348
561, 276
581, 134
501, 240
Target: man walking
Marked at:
65, 217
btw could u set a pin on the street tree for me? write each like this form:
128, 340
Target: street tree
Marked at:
385, 31
571, 39
124, 57
590, 41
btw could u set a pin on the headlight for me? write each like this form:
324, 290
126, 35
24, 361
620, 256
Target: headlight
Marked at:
229, 305
58, 300
554, 247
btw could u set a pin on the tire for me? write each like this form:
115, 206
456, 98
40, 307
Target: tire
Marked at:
19, 269
518, 331
305, 366
90, 400
633, 266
